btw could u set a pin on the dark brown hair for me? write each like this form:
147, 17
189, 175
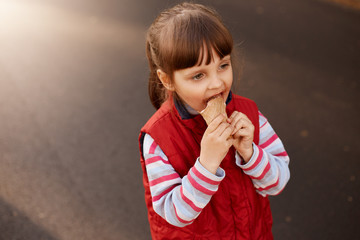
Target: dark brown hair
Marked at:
178, 39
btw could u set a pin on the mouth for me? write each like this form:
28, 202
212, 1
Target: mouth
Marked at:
215, 96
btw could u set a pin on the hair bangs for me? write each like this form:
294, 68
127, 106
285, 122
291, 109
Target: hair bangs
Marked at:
193, 40
217, 38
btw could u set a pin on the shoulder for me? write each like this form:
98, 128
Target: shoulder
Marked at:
241, 99
154, 127
244, 104
159, 117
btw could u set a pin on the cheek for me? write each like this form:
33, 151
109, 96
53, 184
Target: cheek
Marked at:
229, 79
194, 96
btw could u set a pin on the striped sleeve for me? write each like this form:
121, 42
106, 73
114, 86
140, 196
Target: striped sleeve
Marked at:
269, 165
178, 200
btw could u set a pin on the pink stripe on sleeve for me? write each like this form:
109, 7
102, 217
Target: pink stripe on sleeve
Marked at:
270, 186
155, 159
282, 154
163, 179
266, 170
198, 186
179, 218
188, 201
158, 197
152, 148
257, 161
269, 141
204, 178
263, 124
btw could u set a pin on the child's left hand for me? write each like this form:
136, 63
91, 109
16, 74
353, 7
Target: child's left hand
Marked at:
243, 134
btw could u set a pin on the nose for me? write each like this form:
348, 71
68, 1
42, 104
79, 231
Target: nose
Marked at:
215, 82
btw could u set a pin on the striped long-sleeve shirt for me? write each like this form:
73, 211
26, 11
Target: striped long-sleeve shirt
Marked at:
180, 200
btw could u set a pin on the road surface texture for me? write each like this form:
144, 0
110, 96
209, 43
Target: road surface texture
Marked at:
73, 96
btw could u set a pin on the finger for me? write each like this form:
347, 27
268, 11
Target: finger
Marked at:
235, 118
240, 124
237, 115
221, 128
236, 128
227, 132
241, 120
215, 123
246, 130
230, 141
243, 115
228, 120
234, 115
242, 133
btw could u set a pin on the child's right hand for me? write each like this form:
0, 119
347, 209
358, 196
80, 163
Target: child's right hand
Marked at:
215, 143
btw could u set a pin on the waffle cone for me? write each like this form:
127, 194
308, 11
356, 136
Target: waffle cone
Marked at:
214, 107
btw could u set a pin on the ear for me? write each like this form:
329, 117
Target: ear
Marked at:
165, 80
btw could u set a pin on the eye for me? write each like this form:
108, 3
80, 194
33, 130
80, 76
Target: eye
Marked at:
198, 76
224, 66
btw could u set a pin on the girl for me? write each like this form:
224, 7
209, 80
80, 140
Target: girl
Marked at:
204, 182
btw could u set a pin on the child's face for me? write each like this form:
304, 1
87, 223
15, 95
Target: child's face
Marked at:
197, 84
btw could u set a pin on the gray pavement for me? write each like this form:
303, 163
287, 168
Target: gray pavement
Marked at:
73, 96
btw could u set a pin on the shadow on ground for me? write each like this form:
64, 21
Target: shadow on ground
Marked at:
14, 225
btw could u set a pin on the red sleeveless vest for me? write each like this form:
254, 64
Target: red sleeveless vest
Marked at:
235, 211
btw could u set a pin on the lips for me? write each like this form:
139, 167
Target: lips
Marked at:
215, 96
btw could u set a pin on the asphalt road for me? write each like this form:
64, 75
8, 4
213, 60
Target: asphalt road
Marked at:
73, 96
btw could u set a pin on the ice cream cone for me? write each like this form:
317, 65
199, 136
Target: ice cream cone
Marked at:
214, 107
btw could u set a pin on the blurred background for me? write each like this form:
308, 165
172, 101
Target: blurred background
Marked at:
73, 97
